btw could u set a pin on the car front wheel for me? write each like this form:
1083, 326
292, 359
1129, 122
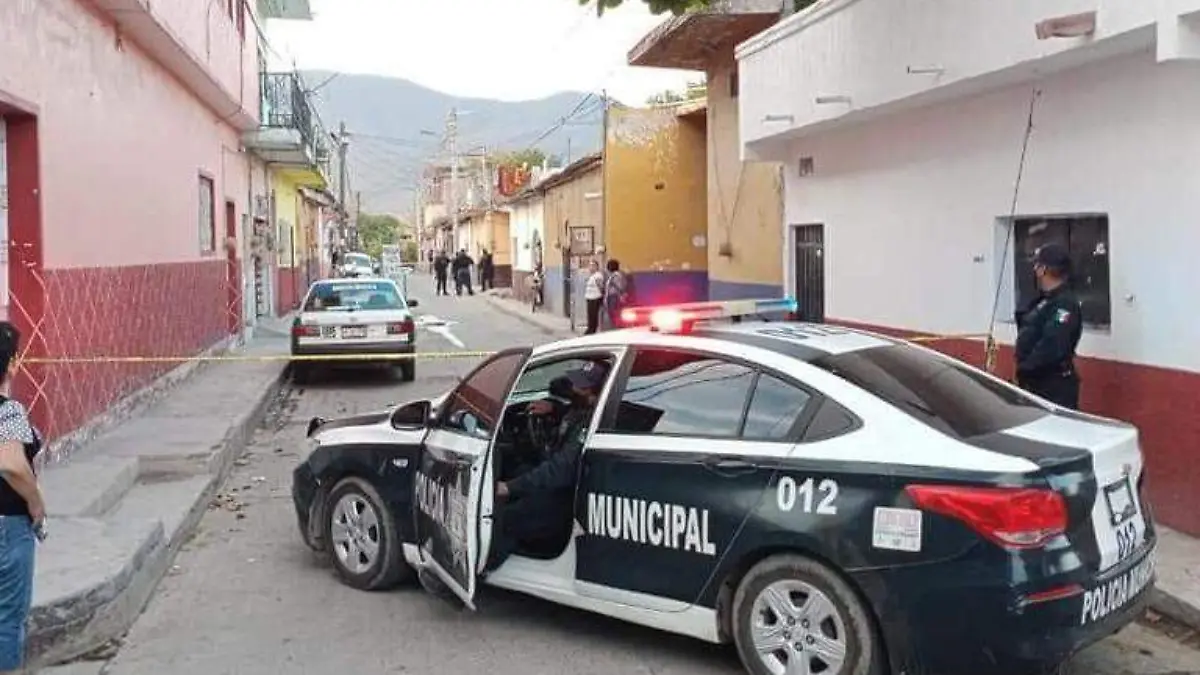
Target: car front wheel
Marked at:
362, 542
792, 614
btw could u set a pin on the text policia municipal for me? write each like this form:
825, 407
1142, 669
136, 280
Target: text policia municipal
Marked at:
646, 522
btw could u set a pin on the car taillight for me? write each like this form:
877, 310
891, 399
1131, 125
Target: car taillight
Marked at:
1017, 518
300, 330
400, 327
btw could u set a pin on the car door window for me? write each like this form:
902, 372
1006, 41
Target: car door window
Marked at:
670, 392
536, 380
475, 405
775, 407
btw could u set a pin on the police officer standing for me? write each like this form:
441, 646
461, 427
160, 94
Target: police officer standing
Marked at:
1049, 330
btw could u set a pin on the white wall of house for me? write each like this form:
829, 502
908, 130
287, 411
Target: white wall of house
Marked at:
915, 204
526, 225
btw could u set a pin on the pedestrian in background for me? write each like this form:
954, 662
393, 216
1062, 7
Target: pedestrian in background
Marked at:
441, 265
1049, 330
487, 271
593, 293
616, 293
461, 268
22, 510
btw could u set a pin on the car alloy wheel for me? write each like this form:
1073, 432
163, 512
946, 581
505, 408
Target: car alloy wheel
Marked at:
355, 533
791, 614
361, 537
797, 629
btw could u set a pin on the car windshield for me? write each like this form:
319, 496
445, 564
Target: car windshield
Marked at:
947, 395
343, 296
358, 259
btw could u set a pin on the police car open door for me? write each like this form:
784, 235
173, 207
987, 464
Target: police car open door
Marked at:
454, 491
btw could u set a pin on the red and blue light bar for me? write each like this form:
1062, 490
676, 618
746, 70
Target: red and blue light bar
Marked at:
680, 317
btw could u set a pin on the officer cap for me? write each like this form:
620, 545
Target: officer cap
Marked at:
590, 375
1053, 257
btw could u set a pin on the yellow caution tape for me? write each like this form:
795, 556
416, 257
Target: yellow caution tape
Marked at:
935, 338
259, 358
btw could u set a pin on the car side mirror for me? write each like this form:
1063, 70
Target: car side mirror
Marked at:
413, 303
412, 416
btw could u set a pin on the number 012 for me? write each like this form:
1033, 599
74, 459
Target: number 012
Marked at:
789, 493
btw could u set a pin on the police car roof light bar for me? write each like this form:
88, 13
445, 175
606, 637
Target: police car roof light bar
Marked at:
680, 317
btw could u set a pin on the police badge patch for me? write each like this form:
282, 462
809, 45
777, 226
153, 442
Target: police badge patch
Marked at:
1062, 315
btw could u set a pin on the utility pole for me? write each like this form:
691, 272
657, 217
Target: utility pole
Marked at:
604, 177
452, 143
343, 147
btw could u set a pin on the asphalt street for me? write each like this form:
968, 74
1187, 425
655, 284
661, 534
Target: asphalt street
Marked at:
247, 597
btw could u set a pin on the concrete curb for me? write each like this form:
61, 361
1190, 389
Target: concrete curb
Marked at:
1175, 608
70, 628
508, 308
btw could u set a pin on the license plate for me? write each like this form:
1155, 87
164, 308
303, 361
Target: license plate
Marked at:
354, 331
1121, 505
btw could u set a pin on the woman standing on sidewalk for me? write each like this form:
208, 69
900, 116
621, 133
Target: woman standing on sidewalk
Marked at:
21, 510
593, 292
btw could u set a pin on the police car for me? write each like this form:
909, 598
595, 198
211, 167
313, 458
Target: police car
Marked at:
826, 499
354, 317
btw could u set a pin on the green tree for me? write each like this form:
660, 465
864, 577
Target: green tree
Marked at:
376, 230
531, 156
694, 90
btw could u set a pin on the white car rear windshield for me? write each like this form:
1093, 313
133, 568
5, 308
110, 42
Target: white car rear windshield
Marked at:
359, 259
949, 396
365, 295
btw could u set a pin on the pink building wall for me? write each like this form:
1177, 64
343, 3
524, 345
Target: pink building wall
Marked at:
122, 145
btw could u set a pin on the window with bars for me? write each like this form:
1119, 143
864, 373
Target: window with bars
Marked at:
208, 219
1086, 239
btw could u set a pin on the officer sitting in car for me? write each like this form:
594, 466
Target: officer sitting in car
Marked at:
1049, 331
540, 504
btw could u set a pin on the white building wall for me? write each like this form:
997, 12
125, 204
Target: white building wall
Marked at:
525, 222
847, 59
911, 203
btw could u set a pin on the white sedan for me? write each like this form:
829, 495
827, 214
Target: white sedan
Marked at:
364, 317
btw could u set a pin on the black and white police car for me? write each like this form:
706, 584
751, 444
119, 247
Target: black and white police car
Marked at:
359, 318
828, 500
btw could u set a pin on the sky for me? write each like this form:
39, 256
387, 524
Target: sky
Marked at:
510, 50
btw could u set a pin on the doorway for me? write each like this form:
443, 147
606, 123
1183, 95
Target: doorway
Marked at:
232, 272
809, 266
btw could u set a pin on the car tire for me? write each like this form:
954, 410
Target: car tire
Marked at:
776, 602
301, 372
408, 371
366, 554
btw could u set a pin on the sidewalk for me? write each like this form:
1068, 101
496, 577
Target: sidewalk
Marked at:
545, 319
1177, 592
121, 506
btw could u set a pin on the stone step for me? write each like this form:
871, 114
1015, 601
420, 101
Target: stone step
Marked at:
87, 487
178, 504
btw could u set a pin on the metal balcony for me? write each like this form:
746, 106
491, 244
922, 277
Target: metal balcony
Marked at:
291, 134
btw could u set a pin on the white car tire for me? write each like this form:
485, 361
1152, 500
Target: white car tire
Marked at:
804, 610
360, 537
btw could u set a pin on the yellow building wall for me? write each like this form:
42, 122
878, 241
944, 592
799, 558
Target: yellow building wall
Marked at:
745, 203
655, 182
287, 219
568, 205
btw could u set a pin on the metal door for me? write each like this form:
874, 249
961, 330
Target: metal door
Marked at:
810, 272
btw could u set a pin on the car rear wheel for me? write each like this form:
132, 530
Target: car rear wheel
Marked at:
408, 370
361, 538
792, 614
301, 372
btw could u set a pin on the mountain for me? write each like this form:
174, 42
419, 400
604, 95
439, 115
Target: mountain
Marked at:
386, 117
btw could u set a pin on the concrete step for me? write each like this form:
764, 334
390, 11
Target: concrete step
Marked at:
178, 504
77, 668
85, 572
87, 487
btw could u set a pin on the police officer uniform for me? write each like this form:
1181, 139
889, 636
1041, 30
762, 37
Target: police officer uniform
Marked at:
1048, 333
541, 505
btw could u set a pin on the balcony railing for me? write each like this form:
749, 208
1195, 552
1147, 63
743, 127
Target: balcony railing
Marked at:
285, 105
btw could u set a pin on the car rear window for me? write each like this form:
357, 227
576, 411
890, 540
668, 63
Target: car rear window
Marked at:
947, 395
364, 295
358, 259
